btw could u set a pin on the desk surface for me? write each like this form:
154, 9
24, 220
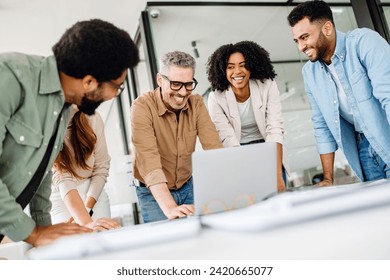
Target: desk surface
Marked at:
333, 223
361, 234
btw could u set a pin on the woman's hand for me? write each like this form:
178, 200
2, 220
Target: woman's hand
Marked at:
103, 224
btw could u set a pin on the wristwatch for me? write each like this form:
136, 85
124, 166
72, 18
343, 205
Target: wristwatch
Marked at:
90, 211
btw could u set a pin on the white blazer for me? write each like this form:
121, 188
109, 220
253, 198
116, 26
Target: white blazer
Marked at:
266, 104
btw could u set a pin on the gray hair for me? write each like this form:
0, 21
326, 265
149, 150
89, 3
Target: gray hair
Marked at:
176, 58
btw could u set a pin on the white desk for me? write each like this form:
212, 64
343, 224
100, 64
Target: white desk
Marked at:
14, 250
358, 235
356, 226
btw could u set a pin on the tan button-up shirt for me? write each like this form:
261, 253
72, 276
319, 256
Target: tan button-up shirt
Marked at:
163, 144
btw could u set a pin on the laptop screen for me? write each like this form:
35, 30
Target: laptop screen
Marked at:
232, 178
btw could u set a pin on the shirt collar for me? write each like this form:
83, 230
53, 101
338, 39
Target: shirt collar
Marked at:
49, 80
340, 46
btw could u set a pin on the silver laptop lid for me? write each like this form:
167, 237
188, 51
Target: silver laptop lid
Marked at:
231, 178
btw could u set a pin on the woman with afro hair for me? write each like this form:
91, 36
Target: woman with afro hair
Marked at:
244, 104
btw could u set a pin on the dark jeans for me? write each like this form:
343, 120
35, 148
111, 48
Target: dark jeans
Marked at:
373, 166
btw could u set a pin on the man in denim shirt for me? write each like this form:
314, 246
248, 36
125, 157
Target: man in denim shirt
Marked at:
348, 84
89, 66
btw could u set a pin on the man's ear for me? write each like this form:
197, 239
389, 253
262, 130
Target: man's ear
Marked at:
90, 83
327, 28
159, 79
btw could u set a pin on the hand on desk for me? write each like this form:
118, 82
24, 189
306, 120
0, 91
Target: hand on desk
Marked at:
103, 224
46, 235
325, 183
180, 211
281, 185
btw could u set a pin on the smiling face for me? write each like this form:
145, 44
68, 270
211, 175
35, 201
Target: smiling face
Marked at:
236, 73
317, 39
175, 100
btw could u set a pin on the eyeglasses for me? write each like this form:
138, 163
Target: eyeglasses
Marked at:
119, 88
175, 85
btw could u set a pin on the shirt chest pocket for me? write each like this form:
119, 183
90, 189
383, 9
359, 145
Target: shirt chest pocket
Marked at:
23, 134
361, 86
190, 141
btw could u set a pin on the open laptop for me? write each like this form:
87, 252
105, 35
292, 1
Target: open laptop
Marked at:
232, 178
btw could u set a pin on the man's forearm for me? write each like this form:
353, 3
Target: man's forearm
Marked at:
327, 161
163, 197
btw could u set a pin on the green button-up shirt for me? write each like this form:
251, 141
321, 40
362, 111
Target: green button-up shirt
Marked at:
31, 100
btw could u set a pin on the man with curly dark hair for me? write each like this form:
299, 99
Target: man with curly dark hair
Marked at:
98, 53
89, 66
165, 124
245, 105
347, 81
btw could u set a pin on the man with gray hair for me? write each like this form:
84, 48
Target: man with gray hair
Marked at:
165, 124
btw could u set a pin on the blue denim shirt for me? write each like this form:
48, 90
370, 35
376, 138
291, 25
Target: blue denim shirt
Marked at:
362, 63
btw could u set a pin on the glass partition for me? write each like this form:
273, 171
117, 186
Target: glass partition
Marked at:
386, 10
142, 80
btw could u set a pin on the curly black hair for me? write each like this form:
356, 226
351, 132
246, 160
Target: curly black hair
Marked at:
95, 47
257, 61
313, 10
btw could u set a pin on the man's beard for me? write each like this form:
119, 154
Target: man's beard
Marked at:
322, 47
89, 106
